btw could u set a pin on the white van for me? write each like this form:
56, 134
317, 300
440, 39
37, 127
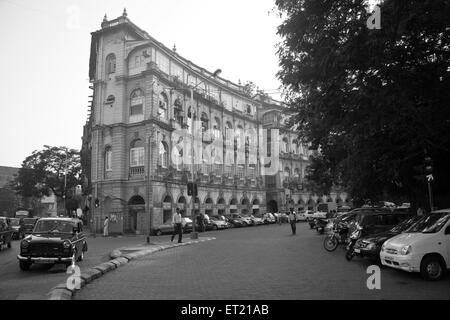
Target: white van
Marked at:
424, 248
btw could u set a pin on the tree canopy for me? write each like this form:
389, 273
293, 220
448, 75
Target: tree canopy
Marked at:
373, 100
44, 171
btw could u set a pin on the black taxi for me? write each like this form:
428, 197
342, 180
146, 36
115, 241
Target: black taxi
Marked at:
54, 240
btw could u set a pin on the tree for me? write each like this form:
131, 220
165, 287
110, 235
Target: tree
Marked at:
372, 100
44, 171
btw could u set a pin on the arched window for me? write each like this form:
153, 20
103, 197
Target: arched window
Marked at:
137, 106
205, 122
137, 153
287, 172
110, 63
163, 106
163, 154
178, 111
296, 173
216, 128
284, 145
108, 158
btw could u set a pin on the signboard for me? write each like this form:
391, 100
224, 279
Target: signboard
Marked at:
255, 206
221, 206
167, 205
196, 206
208, 206
233, 206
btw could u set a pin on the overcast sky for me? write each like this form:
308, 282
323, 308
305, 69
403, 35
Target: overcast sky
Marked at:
45, 55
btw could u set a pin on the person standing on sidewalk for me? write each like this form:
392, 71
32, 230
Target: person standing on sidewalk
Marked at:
177, 220
106, 227
293, 222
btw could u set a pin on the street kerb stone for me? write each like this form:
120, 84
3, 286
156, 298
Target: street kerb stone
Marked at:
60, 294
105, 267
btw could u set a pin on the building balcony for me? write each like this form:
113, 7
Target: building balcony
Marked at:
137, 172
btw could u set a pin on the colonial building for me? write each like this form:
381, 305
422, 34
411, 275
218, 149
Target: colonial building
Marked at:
148, 103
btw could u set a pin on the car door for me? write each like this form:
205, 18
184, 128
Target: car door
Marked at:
447, 242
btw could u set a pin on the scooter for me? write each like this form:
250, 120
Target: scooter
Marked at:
354, 236
338, 236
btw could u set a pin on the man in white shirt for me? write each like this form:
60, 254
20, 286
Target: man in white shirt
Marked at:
177, 220
293, 221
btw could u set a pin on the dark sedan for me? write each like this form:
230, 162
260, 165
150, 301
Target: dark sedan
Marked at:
370, 246
54, 240
236, 221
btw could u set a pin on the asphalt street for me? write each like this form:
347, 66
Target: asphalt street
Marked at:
36, 283
264, 262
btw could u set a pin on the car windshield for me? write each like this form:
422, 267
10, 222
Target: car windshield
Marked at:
54, 226
15, 222
430, 224
405, 225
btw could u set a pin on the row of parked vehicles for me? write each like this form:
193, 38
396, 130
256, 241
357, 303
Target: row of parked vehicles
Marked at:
233, 220
394, 237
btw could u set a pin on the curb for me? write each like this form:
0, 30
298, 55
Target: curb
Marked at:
62, 291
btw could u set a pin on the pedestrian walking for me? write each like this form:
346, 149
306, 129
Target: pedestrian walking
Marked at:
106, 227
177, 221
293, 221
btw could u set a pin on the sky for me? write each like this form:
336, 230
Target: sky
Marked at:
44, 85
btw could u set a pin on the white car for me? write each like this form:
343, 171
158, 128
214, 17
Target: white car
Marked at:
424, 248
308, 214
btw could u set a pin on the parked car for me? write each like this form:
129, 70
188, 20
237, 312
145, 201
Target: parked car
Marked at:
424, 248
247, 219
236, 220
217, 223
15, 225
375, 221
300, 216
256, 220
27, 226
54, 240
6, 233
370, 246
167, 227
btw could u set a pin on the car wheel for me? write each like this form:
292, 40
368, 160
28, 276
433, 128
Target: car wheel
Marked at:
158, 232
215, 227
432, 268
24, 266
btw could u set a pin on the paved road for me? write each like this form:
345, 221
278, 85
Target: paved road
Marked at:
36, 283
263, 262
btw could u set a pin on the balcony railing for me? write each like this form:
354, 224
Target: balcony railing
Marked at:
137, 171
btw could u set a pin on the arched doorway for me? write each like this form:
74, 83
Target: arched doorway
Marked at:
272, 206
167, 209
244, 206
255, 206
221, 207
301, 205
311, 204
136, 205
233, 205
208, 207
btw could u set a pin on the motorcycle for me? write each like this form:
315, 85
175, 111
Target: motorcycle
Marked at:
354, 236
320, 225
336, 237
